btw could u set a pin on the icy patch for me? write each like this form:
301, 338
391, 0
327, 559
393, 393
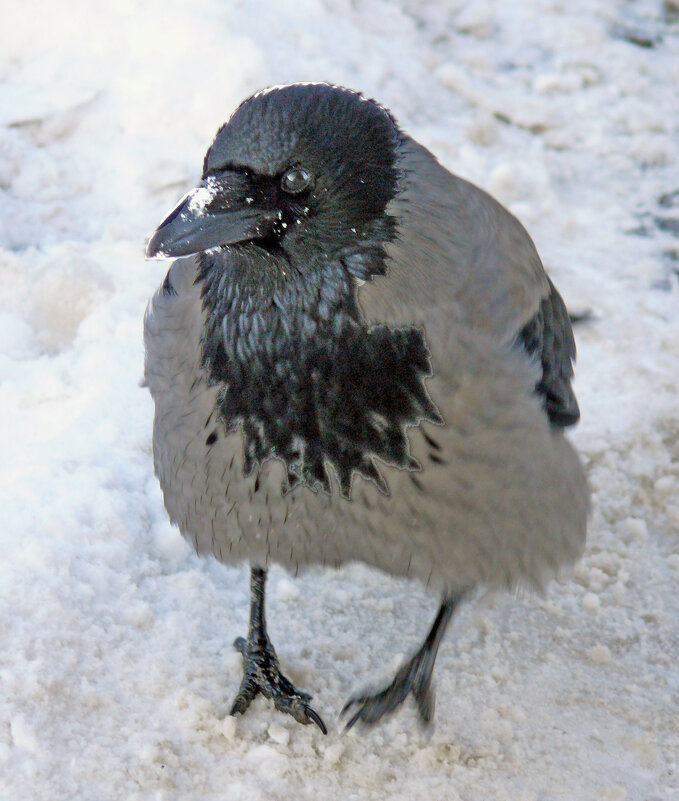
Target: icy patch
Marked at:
634, 529
286, 590
600, 654
591, 602
62, 296
16, 335
279, 734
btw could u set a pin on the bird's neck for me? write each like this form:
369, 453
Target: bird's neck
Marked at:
261, 308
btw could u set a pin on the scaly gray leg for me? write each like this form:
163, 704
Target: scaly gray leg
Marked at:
261, 671
412, 677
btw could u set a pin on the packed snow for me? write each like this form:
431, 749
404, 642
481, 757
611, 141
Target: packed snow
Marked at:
116, 661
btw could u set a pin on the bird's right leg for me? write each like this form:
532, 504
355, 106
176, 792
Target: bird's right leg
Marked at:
261, 671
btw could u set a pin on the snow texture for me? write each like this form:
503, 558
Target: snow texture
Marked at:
116, 659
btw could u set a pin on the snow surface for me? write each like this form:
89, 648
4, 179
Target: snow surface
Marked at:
116, 660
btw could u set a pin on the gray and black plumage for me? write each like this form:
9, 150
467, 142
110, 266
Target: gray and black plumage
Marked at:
358, 356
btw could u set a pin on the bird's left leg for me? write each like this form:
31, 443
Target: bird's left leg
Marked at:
261, 671
414, 676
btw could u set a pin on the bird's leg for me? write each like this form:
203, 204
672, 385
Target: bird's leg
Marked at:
261, 671
414, 676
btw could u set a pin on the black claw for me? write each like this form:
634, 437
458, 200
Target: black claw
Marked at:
294, 703
348, 706
366, 704
352, 720
316, 719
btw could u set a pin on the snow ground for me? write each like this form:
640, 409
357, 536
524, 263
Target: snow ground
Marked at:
116, 665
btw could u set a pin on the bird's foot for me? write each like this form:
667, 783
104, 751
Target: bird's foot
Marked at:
262, 674
412, 677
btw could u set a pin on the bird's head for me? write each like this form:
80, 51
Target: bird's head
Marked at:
302, 172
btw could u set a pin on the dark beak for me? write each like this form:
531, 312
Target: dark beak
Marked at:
221, 211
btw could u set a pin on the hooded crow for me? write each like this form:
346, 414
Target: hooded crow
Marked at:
359, 357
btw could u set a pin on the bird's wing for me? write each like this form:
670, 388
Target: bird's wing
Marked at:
461, 258
549, 336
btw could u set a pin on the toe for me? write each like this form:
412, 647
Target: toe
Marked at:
424, 698
296, 706
286, 687
241, 702
368, 710
371, 708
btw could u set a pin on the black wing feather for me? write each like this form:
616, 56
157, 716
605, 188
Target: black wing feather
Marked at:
549, 336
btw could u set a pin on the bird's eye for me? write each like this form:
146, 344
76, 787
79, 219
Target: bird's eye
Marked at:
296, 180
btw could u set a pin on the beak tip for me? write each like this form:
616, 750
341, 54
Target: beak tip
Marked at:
154, 248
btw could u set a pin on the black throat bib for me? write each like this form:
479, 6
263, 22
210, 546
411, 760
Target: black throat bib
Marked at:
305, 379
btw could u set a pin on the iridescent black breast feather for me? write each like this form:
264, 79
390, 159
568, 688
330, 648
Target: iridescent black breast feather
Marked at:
306, 380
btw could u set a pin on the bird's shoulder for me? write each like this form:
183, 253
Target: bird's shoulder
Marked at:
457, 249
461, 258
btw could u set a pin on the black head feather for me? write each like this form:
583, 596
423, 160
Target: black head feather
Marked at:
346, 141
